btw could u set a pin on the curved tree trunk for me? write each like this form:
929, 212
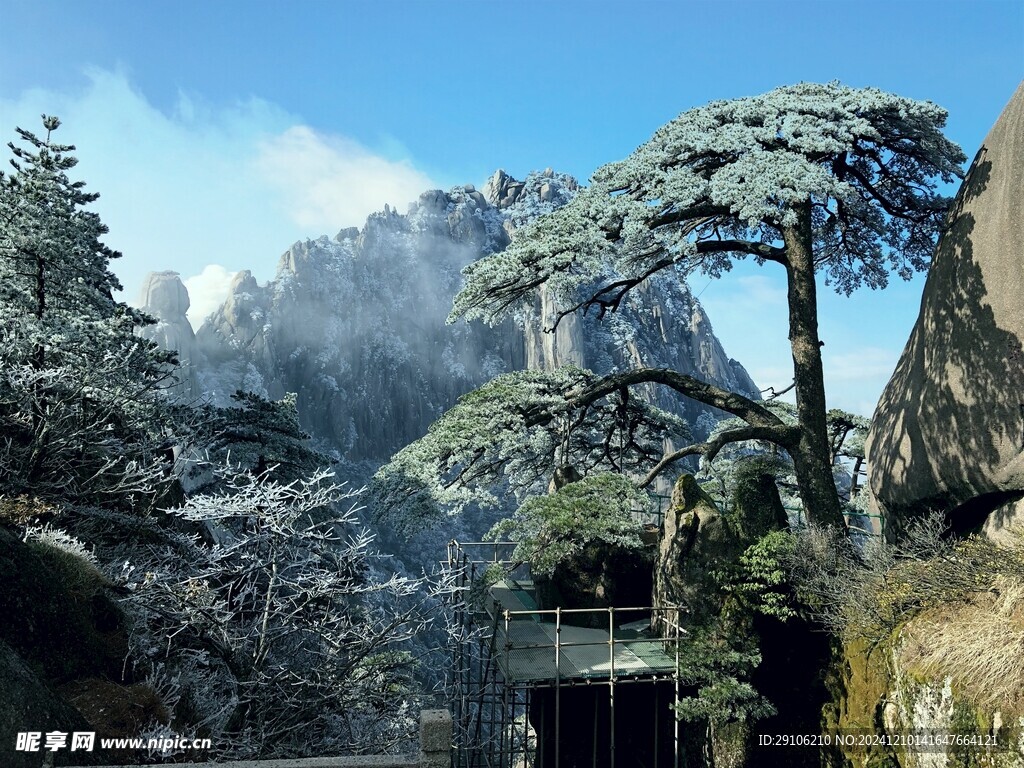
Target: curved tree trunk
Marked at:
811, 458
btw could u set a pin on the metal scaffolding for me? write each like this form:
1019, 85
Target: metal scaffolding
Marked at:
536, 688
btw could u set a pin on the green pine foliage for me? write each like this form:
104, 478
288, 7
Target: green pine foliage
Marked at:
553, 528
716, 668
508, 436
760, 580
258, 435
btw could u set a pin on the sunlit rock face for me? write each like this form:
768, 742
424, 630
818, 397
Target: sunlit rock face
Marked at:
355, 324
164, 297
949, 429
659, 324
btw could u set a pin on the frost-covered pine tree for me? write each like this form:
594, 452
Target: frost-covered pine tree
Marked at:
813, 180
511, 435
81, 412
258, 435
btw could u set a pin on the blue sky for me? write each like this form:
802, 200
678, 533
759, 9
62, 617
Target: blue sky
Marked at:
218, 133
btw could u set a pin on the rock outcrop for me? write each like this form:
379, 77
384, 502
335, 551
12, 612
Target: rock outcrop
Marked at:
756, 508
165, 297
60, 628
886, 691
355, 324
948, 432
28, 704
695, 541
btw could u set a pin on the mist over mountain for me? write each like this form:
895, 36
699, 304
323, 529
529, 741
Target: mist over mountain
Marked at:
355, 324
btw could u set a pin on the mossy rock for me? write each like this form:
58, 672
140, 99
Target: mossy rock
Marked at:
602, 575
756, 505
939, 706
27, 703
696, 541
113, 710
57, 614
873, 694
859, 682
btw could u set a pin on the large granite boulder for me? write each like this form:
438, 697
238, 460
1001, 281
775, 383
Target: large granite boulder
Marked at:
756, 508
696, 540
948, 432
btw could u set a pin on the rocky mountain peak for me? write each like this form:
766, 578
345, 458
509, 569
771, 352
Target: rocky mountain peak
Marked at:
501, 190
164, 297
243, 282
355, 324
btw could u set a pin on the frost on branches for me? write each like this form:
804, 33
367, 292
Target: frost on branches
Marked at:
256, 613
813, 178
274, 640
723, 180
82, 413
510, 434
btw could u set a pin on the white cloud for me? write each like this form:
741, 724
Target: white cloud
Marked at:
206, 292
777, 376
330, 181
863, 364
229, 184
749, 313
854, 379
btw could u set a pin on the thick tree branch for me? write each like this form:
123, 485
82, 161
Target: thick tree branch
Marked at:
700, 211
751, 412
783, 436
609, 297
761, 250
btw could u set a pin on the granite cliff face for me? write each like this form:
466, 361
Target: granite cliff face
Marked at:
355, 324
164, 297
948, 432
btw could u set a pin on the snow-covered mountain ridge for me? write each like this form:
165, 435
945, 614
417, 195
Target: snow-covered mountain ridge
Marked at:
355, 324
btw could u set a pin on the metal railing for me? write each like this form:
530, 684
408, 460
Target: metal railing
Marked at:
491, 687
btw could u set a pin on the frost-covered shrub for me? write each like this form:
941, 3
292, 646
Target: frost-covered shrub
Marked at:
73, 562
274, 640
553, 528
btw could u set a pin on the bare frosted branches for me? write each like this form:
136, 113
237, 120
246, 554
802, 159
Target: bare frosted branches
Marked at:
276, 633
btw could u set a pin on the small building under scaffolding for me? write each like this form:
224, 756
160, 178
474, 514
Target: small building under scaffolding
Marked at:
556, 688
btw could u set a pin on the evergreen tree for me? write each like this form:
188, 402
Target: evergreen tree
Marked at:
811, 179
81, 409
512, 434
258, 435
